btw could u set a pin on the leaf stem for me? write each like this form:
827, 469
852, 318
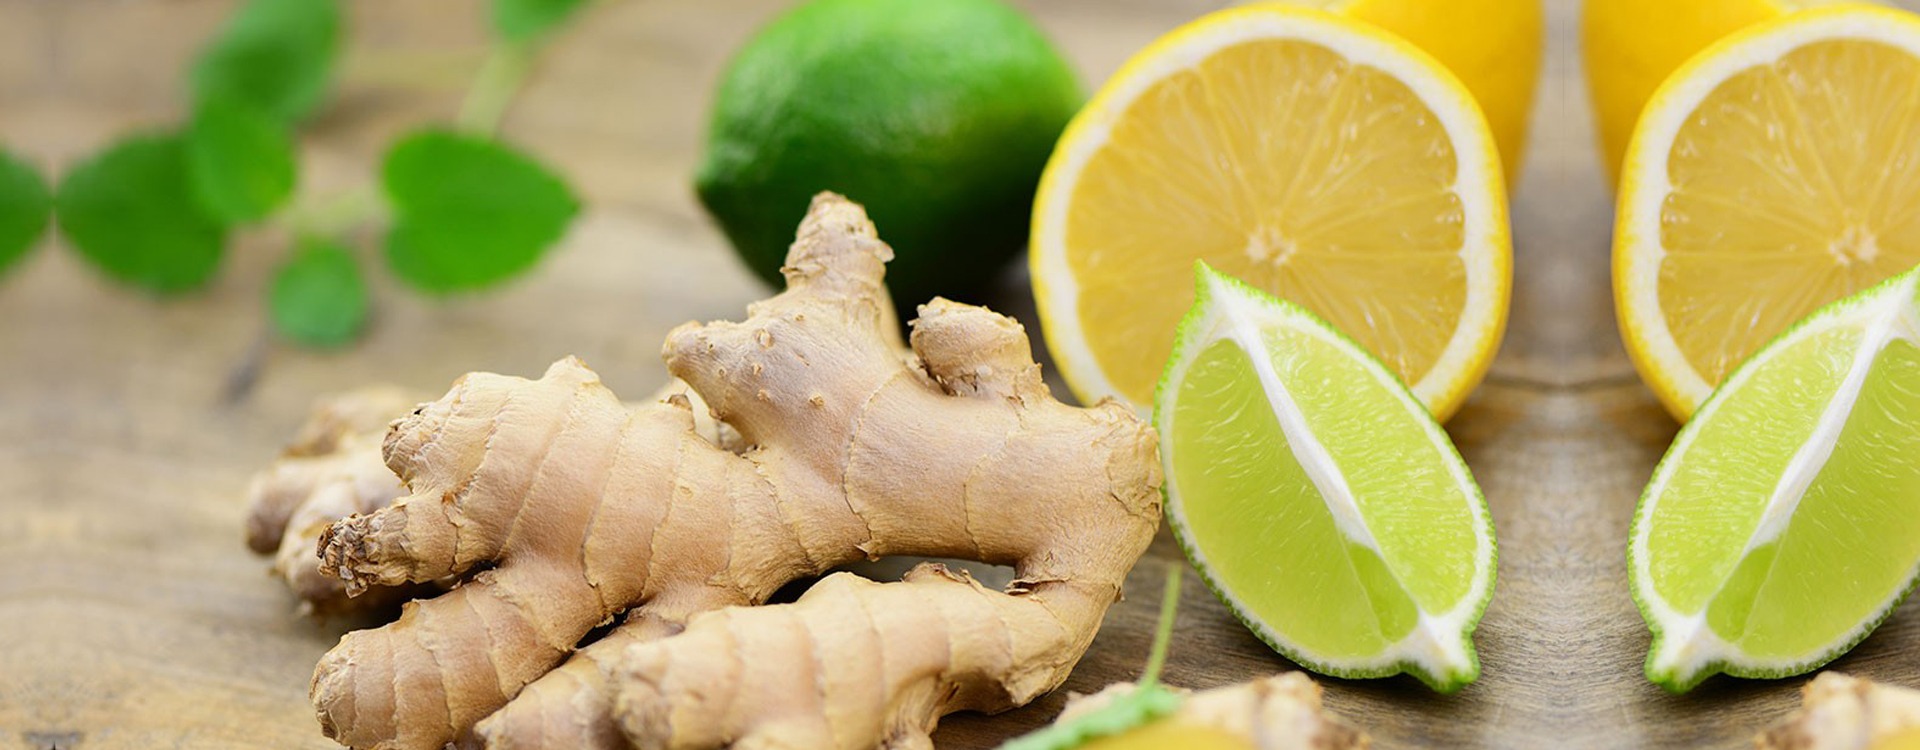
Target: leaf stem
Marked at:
494, 87
1163, 633
336, 215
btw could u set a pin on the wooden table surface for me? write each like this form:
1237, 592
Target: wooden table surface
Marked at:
131, 615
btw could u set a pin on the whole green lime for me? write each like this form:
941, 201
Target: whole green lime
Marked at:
937, 115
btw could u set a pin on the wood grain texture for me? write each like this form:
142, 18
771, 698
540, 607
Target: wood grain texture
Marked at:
131, 615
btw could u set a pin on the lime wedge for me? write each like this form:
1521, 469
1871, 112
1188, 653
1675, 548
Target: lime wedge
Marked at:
1784, 523
1317, 496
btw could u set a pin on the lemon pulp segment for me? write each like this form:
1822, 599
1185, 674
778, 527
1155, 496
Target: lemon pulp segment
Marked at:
1794, 184
1286, 165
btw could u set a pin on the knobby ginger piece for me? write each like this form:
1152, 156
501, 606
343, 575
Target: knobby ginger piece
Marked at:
1840, 712
557, 508
331, 470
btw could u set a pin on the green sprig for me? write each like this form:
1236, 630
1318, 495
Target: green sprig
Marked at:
154, 209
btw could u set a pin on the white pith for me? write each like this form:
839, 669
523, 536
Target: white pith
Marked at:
1645, 183
1686, 644
1438, 641
1327, 478
1476, 178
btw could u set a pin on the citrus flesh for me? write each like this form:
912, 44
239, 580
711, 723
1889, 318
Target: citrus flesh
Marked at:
1904, 739
1630, 46
1493, 46
1771, 175
1313, 156
1317, 497
1168, 733
1784, 523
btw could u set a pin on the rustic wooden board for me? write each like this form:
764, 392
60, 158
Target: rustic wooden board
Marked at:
131, 616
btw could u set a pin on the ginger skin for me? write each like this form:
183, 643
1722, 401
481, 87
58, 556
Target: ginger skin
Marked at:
1281, 712
331, 470
1839, 712
575, 509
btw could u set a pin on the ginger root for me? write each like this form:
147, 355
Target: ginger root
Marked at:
331, 470
1839, 712
1281, 712
556, 508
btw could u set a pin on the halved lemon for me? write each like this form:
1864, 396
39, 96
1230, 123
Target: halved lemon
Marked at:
1630, 46
1315, 157
1775, 172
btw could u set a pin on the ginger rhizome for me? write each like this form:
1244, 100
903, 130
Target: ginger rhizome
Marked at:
331, 470
1840, 712
556, 508
1281, 712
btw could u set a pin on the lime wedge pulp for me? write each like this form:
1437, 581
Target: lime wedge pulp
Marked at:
1784, 523
1316, 496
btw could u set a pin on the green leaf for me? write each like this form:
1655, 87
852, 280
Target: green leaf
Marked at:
25, 207
319, 298
521, 20
276, 55
131, 211
240, 160
469, 212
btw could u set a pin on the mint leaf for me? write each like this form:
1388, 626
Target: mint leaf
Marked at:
275, 55
130, 210
240, 161
318, 298
469, 212
521, 20
24, 209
